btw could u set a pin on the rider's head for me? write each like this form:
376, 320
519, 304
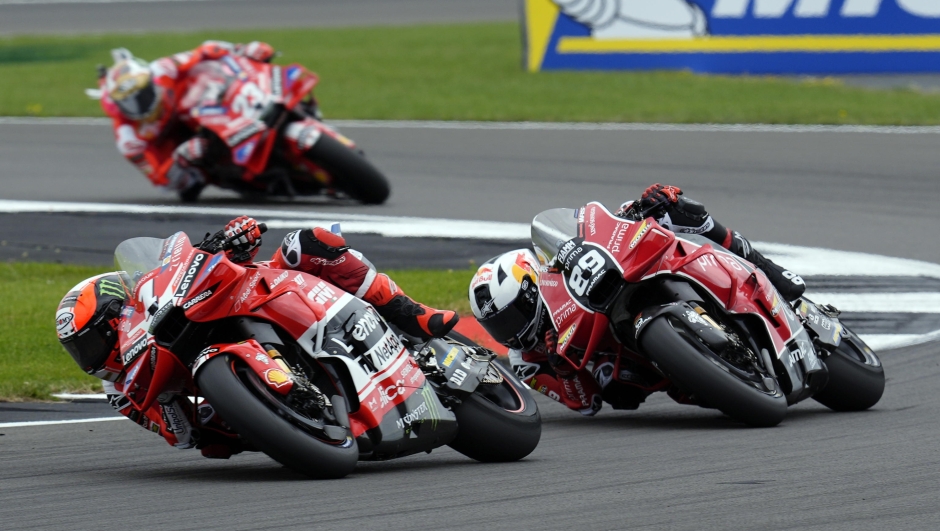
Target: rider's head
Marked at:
129, 84
504, 297
87, 321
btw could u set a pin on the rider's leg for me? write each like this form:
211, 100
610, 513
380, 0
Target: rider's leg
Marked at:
320, 252
690, 217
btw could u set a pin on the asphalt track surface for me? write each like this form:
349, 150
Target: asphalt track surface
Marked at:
108, 16
663, 466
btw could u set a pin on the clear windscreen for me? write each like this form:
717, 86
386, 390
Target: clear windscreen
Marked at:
139, 256
551, 229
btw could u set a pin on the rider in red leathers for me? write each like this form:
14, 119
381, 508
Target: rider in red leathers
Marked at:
505, 300
88, 317
150, 104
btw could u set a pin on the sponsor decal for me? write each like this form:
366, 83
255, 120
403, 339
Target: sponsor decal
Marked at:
796, 355
131, 375
565, 251
563, 312
550, 283
566, 336
244, 133
410, 417
616, 239
277, 89
175, 421
323, 261
322, 293
299, 280
293, 72
153, 358
450, 357
252, 284
639, 322
644, 228
280, 278
263, 358
277, 378
136, 350
365, 325
695, 318
109, 287
458, 377
64, 323
591, 223
194, 267
209, 267
487, 308
198, 298
385, 349
243, 153
484, 274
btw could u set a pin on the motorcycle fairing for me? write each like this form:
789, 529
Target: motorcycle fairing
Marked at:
254, 355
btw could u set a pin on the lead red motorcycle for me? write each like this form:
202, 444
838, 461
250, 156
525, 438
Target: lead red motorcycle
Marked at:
708, 323
303, 371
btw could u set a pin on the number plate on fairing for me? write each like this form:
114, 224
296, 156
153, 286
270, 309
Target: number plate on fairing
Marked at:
583, 264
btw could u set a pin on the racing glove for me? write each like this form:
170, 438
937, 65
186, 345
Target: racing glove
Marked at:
247, 245
658, 197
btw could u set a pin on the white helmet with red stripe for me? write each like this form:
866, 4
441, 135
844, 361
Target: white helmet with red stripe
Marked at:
504, 297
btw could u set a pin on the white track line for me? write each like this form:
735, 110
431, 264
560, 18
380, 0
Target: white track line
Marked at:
881, 302
554, 126
56, 422
45, 2
392, 226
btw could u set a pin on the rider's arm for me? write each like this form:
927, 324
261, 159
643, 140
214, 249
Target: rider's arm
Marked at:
153, 159
214, 50
155, 419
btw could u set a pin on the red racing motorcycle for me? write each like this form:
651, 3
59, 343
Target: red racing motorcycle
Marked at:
247, 119
706, 324
303, 371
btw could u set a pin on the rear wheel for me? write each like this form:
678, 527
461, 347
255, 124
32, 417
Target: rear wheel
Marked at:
498, 422
856, 376
737, 390
351, 172
239, 397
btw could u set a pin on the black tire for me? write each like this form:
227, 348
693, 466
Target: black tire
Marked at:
856, 377
268, 431
690, 365
191, 195
351, 172
498, 423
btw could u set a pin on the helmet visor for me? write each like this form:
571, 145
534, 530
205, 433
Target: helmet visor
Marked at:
140, 103
514, 325
91, 347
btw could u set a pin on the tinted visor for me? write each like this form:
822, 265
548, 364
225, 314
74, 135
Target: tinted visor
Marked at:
512, 325
140, 103
91, 347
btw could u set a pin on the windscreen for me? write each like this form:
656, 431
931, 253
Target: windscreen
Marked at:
551, 229
139, 256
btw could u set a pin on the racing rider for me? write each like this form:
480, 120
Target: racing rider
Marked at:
149, 107
505, 300
88, 317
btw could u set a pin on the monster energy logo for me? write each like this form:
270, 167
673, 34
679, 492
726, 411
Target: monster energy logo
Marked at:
431, 400
109, 287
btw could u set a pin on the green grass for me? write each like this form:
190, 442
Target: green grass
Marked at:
458, 72
33, 365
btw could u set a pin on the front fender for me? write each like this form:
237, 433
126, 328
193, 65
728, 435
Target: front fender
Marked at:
252, 354
683, 311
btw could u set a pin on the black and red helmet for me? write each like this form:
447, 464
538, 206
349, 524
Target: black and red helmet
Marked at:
87, 323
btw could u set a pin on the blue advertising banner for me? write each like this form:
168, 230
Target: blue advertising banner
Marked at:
734, 36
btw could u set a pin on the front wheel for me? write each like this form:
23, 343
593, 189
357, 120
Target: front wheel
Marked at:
498, 422
351, 172
254, 414
856, 376
737, 391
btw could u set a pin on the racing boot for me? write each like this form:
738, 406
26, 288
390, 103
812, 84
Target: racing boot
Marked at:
788, 283
411, 317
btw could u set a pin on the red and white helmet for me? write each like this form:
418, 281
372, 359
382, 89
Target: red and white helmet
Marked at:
129, 84
504, 297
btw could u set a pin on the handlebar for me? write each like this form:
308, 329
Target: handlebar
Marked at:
218, 242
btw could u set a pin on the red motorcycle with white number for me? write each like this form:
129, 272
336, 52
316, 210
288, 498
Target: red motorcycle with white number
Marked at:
246, 108
708, 323
303, 371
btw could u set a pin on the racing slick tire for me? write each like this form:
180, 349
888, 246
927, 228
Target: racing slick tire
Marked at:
497, 423
351, 172
271, 433
856, 377
696, 370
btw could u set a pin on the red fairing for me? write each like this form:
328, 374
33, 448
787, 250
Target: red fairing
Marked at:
642, 250
209, 288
